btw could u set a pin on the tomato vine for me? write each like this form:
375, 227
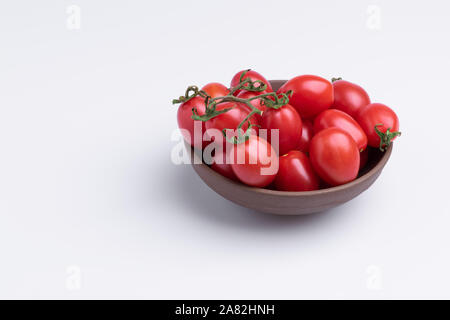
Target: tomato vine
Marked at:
268, 99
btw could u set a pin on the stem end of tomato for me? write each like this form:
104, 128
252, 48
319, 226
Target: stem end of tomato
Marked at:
386, 137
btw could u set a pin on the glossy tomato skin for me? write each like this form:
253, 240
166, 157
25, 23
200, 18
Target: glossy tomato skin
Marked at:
215, 89
255, 162
230, 119
256, 102
185, 121
221, 164
289, 124
307, 134
334, 156
296, 173
373, 114
336, 118
310, 94
253, 75
349, 97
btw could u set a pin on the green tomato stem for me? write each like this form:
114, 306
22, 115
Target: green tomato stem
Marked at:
386, 137
269, 100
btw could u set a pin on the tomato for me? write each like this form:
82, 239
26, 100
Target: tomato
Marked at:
230, 119
215, 89
289, 124
380, 115
334, 156
310, 94
256, 102
307, 134
336, 118
255, 162
253, 75
296, 173
349, 97
221, 163
363, 158
185, 121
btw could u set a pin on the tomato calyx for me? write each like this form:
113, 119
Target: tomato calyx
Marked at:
335, 79
281, 100
386, 137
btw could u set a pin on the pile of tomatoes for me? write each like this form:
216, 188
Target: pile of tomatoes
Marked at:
325, 130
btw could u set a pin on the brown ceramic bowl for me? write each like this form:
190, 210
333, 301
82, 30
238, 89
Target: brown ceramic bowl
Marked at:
291, 203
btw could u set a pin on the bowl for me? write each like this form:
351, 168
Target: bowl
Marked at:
286, 202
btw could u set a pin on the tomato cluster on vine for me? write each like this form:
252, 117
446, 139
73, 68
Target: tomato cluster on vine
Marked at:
309, 134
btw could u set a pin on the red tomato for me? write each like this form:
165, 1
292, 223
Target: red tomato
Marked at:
307, 134
336, 118
230, 119
334, 156
256, 102
253, 75
363, 158
378, 114
296, 173
185, 121
215, 89
289, 124
349, 97
221, 163
255, 162
310, 94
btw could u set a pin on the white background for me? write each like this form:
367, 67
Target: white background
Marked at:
92, 207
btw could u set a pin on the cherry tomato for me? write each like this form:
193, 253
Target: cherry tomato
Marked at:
336, 118
296, 173
334, 156
310, 94
253, 75
307, 134
383, 118
185, 121
230, 119
349, 97
256, 102
221, 163
215, 89
255, 162
289, 124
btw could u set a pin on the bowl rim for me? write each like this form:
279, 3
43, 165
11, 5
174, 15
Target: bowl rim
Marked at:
380, 164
